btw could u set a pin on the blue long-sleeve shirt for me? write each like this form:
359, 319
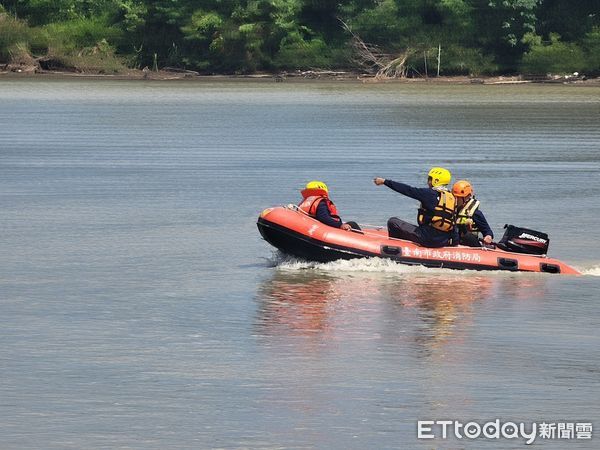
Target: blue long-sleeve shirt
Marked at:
323, 215
482, 224
429, 198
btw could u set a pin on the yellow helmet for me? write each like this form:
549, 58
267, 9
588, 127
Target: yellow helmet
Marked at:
317, 185
439, 176
315, 188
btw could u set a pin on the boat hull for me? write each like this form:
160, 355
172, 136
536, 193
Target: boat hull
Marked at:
297, 234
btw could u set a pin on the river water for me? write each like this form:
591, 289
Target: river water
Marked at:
139, 307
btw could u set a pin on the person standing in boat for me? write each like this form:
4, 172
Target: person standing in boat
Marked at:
316, 203
436, 214
470, 220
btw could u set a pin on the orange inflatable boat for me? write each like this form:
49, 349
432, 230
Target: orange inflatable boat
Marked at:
295, 233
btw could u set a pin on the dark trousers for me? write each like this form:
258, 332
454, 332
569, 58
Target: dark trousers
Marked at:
470, 240
400, 229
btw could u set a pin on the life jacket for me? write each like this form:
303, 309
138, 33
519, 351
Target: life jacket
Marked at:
464, 219
443, 215
310, 204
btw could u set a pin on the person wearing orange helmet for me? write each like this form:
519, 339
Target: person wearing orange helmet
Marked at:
316, 203
470, 220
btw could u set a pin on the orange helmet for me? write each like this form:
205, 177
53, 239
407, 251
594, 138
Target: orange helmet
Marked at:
462, 188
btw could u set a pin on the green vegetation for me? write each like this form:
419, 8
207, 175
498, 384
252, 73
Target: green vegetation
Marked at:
476, 37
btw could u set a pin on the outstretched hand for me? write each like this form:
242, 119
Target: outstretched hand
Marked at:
378, 181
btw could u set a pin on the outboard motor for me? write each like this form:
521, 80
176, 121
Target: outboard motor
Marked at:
524, 240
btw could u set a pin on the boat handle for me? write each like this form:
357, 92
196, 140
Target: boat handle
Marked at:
391, 250
549, 268
508, 264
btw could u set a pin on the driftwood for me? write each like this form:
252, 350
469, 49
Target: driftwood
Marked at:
178, 70
313, 74
374, 60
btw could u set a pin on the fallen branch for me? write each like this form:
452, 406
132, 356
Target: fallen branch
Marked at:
374, 60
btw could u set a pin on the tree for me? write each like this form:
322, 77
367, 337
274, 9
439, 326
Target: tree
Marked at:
553, 57
499, 27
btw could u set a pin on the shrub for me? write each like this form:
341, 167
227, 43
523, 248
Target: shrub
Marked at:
591, 46
297, 53
97, 59
20, 54
89, 63
455, 60
81, 33
554, 57
16, 39
12, 32
83, 45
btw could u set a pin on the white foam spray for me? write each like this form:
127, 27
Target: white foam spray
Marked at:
381, 266
593, 271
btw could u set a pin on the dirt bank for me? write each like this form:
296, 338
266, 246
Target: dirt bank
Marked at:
19, 71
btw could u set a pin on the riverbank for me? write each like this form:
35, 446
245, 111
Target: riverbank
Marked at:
168, 74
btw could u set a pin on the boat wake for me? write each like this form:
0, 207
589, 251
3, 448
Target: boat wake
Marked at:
370, 265
593, 271
378, 265
387, 266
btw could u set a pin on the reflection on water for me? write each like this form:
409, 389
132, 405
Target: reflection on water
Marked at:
443, 306
415, 343
427, 309
297, 302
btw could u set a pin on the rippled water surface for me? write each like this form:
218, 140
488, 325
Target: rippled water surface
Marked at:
139, 307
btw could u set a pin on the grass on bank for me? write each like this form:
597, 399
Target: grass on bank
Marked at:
81, 45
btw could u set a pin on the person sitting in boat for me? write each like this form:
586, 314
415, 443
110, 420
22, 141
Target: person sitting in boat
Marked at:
316, 203
436, 215
470, 220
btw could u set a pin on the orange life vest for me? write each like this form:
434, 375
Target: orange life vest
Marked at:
444, 214
310, 204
